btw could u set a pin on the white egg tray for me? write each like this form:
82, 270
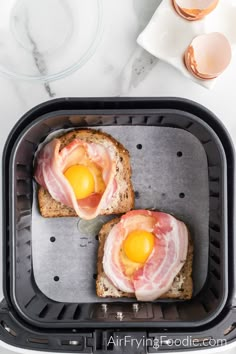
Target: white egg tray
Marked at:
168, 35
170, 173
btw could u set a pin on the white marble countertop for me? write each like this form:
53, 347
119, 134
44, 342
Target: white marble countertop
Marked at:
120, 68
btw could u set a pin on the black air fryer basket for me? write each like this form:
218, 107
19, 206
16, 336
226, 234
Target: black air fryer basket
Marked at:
29, 319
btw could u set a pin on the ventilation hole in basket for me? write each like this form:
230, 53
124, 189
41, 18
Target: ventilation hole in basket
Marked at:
189, 125
23, 198
205, 306
161, 119
67, 125
52, 239
216, 273
230, 329
139, 146
215, 258
214, 292
62, 313
214, 194
43, 312
56, 278
31, 142
214, 227
213, 179
204, 142
181, 195
8, 329
137, 195
145, 119
179, 153
77, 313
95, 276
130, 118
30, 301
215, 243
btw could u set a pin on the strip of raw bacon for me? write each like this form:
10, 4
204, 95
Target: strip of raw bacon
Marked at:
52, 163
165, 262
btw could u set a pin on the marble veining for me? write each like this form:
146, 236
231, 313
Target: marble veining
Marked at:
140, 62
38, 57
136, 70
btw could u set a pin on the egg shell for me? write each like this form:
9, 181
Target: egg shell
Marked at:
194, 10
168, 35
208, 55
191, 66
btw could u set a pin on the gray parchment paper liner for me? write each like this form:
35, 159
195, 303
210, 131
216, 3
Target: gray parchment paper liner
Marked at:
162, 181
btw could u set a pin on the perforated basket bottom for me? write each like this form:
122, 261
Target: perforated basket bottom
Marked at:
170, 173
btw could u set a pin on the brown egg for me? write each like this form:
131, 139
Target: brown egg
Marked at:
208, 55
194, 10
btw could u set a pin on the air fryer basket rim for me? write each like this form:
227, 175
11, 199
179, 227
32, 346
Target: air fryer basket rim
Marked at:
124, 323
173, 101
41, 118
106, 102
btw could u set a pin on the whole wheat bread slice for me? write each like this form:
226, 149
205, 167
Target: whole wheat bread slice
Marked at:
124, 197
182, 287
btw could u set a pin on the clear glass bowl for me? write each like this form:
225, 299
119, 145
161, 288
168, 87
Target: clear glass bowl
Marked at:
44, 40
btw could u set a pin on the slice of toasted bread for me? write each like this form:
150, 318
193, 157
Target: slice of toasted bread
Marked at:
182, 287
124, 197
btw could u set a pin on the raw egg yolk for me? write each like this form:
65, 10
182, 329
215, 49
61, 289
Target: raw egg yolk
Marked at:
81, 180
138, 245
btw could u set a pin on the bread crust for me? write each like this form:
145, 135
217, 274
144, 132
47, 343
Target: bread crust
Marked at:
124, 200
182, 287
